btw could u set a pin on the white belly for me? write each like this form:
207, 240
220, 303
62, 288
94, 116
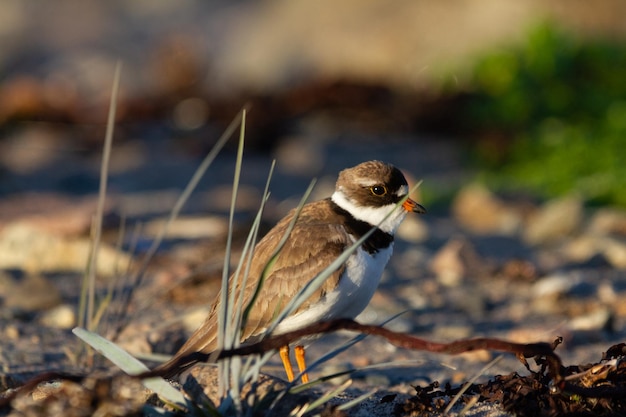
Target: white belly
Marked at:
354, 292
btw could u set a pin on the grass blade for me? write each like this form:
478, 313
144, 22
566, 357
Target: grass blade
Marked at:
130, 365
87, 301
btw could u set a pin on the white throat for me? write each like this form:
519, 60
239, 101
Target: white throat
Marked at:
372, 215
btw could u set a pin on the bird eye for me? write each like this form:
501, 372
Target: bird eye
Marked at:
378, 190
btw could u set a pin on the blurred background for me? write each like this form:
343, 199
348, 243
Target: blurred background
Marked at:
523, 95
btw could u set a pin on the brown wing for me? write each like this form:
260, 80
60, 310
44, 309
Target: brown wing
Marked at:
297, 263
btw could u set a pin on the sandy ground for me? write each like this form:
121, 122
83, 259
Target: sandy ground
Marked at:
475, 265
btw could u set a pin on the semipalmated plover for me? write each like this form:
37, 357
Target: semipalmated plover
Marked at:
366, 196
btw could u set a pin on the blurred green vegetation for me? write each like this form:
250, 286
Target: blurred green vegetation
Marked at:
552, 116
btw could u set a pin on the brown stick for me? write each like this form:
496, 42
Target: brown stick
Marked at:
398, 339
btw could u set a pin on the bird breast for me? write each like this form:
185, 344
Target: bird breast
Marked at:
352, 294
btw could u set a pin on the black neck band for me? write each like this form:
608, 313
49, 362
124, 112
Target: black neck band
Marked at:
357, 228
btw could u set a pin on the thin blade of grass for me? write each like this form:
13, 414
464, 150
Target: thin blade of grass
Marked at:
87, 306
225, 336
250, 243
357, 400
130, 365
326, 397
470, 382
247, 256
226, 330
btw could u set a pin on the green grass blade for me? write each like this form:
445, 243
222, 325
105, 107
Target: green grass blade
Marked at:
130, 365
226, 330
326, 397
242, 317
87, 301
357, 400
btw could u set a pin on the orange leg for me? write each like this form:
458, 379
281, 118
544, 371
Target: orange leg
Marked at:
284, 356
301, 363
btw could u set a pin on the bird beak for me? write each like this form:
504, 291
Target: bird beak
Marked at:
411, 206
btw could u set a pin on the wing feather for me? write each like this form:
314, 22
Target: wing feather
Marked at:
302, 257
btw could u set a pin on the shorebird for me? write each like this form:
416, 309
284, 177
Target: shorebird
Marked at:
366, 196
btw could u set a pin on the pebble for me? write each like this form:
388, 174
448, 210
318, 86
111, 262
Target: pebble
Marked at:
607, 222
599, 319
452, 332
59, 317
11, 332
478, 210
457, 260
189, 227
553, 285
413, 229
448, 265
556, 219
585, 247
32, 293
23, 246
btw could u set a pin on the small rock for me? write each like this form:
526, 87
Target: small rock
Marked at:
585, 247
554, 285
413, 229
480, 211
556, 219
189, 227
24, 246
518, 270
479, 355
452, 332
608, 222
615, 252
11, 332
582, 248
59, 317
457, 260
33, 293
599, 319
51, 213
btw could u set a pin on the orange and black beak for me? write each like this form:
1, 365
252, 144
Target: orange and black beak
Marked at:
411, 206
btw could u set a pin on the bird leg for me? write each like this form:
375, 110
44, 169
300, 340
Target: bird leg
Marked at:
301, 363
284, 356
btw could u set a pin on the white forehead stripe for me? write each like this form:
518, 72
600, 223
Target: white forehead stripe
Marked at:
368, 182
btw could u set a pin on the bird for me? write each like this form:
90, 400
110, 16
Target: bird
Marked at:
373, 194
